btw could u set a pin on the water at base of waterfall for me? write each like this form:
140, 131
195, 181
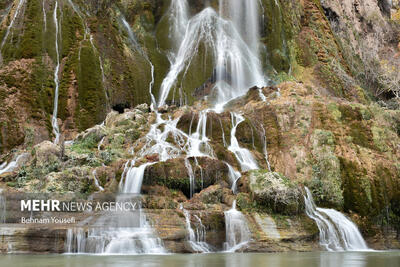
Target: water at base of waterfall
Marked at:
237, 231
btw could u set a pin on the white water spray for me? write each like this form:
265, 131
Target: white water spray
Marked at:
17, 11
243, 155
54, 121
196, 238
336, 231
237, 66
237, 231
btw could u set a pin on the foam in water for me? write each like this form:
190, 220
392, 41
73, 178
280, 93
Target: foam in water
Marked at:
17, 10
54, 121
196, 238
237, 231
336, 231
245, 158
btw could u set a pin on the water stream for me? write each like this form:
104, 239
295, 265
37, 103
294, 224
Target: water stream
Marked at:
336, 231
197, 239
237, 231
54, 121
16, 13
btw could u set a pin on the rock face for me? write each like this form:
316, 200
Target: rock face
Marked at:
331, 121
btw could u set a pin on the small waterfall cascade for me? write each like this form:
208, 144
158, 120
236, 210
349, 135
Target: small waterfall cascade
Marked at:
3, 212
125, 232
13, 165
178, 17
237, 64
245, 158
54, 121
96, 181
234, 176
237, 231
336, 231
196, 237
16, 13
44, 16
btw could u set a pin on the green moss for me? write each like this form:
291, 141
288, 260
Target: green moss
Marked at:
91, 106
334, 111
85, 145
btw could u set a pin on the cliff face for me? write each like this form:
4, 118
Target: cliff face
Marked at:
348, 50
331, 120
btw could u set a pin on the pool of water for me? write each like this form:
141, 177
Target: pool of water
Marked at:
323, 259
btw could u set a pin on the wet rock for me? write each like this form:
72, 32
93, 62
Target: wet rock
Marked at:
174, 174
213, 194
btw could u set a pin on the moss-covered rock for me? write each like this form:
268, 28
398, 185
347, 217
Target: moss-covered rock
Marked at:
275, 191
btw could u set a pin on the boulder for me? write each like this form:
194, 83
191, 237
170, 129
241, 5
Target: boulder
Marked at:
47, 153
275, 191
174, 173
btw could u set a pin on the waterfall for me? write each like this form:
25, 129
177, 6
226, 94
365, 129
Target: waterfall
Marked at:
18, 9
191, 177
54, 121
3, 212
245, 158
237, 65
44, 16
336, 231
178, 17
237, 231
125, 232
234, 176
13, 165
96, 181
133, 179
196, 238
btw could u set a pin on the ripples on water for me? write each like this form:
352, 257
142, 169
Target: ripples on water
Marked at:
320, 259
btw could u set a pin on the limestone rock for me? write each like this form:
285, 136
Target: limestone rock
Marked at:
46, 153
275, 191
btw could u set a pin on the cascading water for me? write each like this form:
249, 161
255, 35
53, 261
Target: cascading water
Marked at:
245, 158
44, 16
196, 238
178, 17
336, 231
13, 165
234, 176
237, 231
96, 181
126, 232
17, 10
54, 121
237, 67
